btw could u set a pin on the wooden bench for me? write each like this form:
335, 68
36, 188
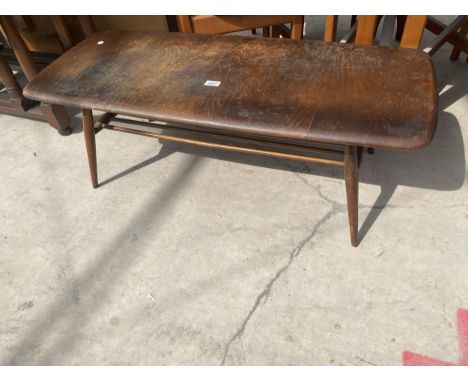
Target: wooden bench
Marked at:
305, 100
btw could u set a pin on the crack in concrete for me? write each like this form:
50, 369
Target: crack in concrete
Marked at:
372, 207
336, 207
360, 205
317, 189
267, 290
366, 361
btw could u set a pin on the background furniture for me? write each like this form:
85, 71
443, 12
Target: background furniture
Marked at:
30, 43
405, 32
13, 101
45, 34
455, 33
227, 24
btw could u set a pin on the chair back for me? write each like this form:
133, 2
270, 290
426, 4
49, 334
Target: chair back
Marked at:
405, 31
226, 24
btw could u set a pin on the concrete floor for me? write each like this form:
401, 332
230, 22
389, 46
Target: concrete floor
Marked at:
199, 257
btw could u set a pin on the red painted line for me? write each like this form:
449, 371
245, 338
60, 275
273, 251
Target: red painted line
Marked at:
413, 359
462, 318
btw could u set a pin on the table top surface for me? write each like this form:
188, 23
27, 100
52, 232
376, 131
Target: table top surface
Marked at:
300, 90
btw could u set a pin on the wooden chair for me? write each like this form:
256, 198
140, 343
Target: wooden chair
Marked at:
13, 101
227, 24
363, 30
18, 56
45, 34
455, 33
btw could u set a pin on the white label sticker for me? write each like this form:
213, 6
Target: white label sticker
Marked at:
212, 83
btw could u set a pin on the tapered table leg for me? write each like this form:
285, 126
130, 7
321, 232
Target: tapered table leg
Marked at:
90, 141
351, 175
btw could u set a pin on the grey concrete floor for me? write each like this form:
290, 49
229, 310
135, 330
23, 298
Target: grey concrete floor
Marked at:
189, 256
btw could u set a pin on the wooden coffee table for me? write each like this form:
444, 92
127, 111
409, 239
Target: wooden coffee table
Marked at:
304, 100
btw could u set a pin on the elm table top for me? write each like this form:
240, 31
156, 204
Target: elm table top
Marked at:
301, 90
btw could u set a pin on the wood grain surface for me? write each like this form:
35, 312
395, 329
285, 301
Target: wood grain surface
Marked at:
301, 90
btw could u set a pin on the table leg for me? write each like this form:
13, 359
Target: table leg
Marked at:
90, 141
351, 174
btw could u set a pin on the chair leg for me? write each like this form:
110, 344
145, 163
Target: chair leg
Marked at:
87, 25
331, 23
57, 117
351, 175
7, 78
455, 53
444, 35
297, 28
275, 31
401, 21
90, 141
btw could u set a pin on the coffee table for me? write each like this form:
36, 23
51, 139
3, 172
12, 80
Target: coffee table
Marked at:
303, 100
